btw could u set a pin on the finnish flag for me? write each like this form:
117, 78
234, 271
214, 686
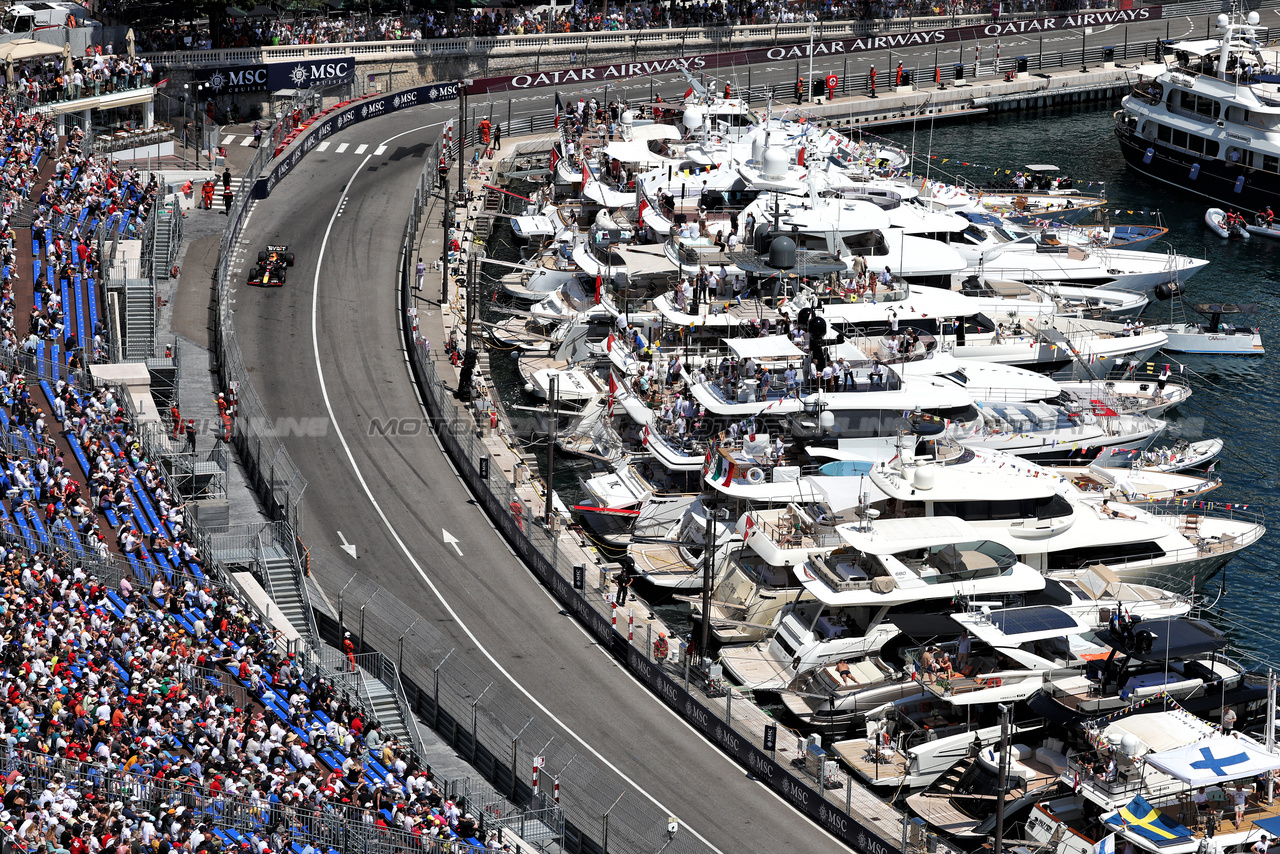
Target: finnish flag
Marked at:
1106, 846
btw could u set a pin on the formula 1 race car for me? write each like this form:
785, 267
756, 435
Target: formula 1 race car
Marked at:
272, 265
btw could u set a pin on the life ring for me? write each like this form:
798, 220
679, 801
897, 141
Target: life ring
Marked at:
755, 475
993, 682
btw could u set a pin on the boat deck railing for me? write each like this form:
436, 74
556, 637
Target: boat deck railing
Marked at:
1127, 780
792, 532
1182, 508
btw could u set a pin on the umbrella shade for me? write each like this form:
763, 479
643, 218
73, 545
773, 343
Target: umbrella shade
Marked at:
261, 11
27, 49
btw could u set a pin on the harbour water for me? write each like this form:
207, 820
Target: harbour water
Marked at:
1236, 397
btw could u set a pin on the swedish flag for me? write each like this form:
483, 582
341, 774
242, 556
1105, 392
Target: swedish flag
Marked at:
1148, 822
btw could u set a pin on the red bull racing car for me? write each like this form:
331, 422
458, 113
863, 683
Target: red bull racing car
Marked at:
272, 266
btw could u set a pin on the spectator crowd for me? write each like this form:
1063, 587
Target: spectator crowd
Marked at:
48, 79
142, 705
565, 18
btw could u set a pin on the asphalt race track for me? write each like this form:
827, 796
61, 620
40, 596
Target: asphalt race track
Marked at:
366, 376
328, 345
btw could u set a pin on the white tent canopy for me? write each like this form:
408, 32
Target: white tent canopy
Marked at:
1214, 760
765, 347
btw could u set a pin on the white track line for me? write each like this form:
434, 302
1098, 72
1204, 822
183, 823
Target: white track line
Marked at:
360, 148
378, 152
322, 146
395, 535
341, 148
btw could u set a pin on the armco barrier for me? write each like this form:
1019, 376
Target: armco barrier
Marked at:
343, 116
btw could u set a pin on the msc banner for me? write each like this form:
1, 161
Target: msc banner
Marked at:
836, 47
358, 111
300, 74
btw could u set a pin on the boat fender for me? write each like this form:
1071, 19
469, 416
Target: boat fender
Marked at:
1164, 290
755, 475
1195, 171
1148, 154
1239, 184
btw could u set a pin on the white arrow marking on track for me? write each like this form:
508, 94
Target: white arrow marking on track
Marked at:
347, 547
451, 540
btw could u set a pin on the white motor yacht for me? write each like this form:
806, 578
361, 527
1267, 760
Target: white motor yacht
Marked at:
999, 250
674, 558
885, 564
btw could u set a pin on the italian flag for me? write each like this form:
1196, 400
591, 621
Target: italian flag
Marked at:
722, 474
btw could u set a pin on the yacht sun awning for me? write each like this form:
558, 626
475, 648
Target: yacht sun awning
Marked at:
765, 347
1214, 760
647, 260
1199, 47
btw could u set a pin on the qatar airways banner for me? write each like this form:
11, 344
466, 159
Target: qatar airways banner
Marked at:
836, 47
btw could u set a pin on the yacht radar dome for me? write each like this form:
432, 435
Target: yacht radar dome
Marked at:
782, 254
775, 164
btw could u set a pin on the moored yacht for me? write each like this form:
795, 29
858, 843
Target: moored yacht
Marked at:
884, 565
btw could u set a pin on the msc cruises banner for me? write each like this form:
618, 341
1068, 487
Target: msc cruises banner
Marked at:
700, 62
301, 74
357, 111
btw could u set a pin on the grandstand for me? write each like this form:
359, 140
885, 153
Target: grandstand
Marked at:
145, 700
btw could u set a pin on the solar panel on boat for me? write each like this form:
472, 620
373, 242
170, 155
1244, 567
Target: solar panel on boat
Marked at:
1038, 618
